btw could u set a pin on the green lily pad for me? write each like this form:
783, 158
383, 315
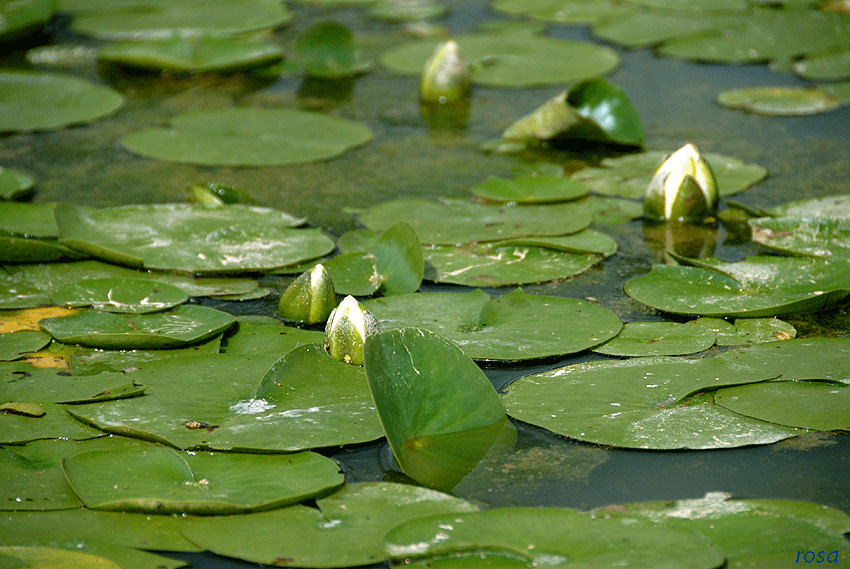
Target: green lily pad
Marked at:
827, 66
44, 101
438, 424
135, 296
173, 328
780, 101
529, 189
25, 250
248, 137
647, 28
516, 326
19, 17
658, 339
95, 554
24, 383
824, 359
192, 54
512, 60
756, 331
14, 184
42, 556
150, 19
92, 361
554, 537
803, 404
628, 176
753, 287
161, 480
752, 533
826, 238
327, 50
28, 219
830, 207
649, 403
408, 11
354, 520
191, 238
451, 222
564, 11
256, 338
55, 423
14, 345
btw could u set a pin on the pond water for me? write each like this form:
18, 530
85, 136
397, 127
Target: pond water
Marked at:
807, 157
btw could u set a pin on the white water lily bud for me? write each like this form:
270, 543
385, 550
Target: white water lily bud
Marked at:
310, 298
683, 188
348, 327
445, 77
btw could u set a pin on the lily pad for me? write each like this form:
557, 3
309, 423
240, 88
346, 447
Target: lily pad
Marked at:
516, 326
554, 537
14, 345
327, 50
96, 554
19, 17
647, 403
55, 423
191, 238
177, 327
161, 480
32, 101
756, 331
658, 339
529, 189
24, 383
151, 19
830, 207
512, 60
812, 405
354, 520
564, 11
827, 66
824, 359
256, 338
407, 11
14, 184
825, 238
192, 54
438, 424
451, 222
754, 287
780, 101
248, 137
135, 296
628, 176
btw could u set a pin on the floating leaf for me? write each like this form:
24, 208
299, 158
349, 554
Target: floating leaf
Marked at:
781, 101
799, 359
512, 60
826, 238
42, 556
56, 423
354, 519
192, 54
529, 189
556, 537
830, 207
191, 238
94, 554
754, 287
642, 403
451, 222
438, 424
44, 101
14, 184
826, 66
564, 11
407, 11
135, 296
161, 480
327, 50
19, 17
22, 382
756, 331
658, 339
177, 327
14, 345
803, 404
248, 137
515, 326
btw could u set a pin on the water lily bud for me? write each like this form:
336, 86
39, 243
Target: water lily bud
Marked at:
445, 77
683, 188
347, 329
310, 298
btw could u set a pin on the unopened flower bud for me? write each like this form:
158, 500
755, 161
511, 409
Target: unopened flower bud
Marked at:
445, 77
683, 188
310, 298
347, 329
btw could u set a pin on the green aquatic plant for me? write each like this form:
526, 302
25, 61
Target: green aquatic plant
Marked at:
445, 77
347, 330
326, 50
683, 188
309, 299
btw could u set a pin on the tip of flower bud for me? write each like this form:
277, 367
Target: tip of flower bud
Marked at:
309, 299
446, 76
683, 188
347, 329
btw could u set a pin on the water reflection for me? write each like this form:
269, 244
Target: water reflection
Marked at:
695, 241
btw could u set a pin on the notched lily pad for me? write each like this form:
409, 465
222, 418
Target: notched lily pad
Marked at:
658, 339
529, 189
120, 295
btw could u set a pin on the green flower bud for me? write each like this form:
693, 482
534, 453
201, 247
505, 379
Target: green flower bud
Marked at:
216, 195
683, 188
310, 298
348, 327
445, 77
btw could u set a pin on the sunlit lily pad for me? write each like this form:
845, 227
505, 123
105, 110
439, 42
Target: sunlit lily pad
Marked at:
407, 11
799, 359
826, 238
256, 338
173, 328
813, 405
529, 189
564, 11
756, 331
827, 66
91, 361
552, 537
830, 207
450, 222
120, 295
248, 137
628, 176
512, 60
191, 238
150, 19
42, 556
33, 101
192, 54
327, 50
14, 184
20, 382
14, 345
645, 403
161, 480
781, 101
354, 520
755, 287
515, 326
438, 424
94, 554
55, 423
645, 28
658, 339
